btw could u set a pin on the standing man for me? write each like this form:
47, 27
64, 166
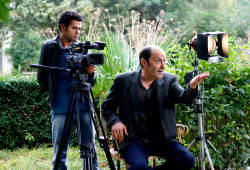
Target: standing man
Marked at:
59, 84
139, 109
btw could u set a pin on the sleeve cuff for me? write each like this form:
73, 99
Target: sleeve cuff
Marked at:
192, 91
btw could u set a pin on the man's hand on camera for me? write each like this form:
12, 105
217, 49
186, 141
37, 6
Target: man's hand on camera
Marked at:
118, 131
198, 79
91, 69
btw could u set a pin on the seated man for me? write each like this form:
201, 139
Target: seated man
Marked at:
139, 109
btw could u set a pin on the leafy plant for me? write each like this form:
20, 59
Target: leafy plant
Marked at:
226, 107
24, 114
4, 14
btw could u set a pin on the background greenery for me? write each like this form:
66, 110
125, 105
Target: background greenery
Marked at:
33, 19
25, 119
4, 12
126, 26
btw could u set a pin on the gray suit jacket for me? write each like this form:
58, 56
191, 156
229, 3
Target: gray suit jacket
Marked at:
121, 103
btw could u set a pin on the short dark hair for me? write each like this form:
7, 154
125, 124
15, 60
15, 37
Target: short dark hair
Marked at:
67, 16
145, 53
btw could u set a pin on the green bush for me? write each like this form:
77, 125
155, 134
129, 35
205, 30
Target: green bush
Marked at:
226, 106
25, 118
24, 114
226, 115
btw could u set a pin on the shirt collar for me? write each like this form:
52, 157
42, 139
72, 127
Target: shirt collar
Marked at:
154, 84
60, 44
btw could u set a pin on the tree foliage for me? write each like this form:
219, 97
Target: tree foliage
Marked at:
4, 12
25, 51
185, 17
29, 20
212, 15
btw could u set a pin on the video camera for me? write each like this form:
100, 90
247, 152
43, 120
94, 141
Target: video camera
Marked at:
79, 57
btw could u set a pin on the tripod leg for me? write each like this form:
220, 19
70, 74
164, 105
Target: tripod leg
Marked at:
86, 136
202, 154
62, 144
87, 153
87, 164
104, 142
201, 133
210, 143
208, 157
191, 144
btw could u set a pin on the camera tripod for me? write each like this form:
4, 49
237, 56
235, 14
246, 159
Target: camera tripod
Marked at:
201, 138
80, 92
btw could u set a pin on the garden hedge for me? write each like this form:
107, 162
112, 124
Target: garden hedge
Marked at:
25, 118
24, 114
226, 101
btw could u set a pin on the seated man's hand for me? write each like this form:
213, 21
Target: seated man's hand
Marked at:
118, 131
91, 69
198, 79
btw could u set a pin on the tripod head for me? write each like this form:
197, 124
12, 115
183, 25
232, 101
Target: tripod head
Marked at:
79, 75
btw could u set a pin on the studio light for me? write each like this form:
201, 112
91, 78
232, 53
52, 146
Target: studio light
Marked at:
205, 45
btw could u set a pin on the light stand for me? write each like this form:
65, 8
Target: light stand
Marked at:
202, 138
204, 44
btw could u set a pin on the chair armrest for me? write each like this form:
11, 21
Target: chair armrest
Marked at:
182, 131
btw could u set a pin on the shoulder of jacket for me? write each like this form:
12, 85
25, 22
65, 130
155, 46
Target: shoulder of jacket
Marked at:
169, 76
50, 42
127, 75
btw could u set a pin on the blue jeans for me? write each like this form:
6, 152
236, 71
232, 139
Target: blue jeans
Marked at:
87, 135
176, 155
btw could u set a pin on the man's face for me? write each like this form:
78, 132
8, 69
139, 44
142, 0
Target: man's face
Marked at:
156, 64
71, 33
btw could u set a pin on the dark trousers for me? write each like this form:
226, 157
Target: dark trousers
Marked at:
176, 155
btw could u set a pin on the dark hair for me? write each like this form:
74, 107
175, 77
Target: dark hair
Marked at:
67, 16
145, 53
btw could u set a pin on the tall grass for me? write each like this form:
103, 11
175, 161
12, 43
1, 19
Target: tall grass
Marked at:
137, 31
125, 37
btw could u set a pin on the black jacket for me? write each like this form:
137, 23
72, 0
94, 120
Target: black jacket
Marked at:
120, 104
50, 56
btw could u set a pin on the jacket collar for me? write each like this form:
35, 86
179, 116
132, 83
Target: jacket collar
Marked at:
56, 40
133, 79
